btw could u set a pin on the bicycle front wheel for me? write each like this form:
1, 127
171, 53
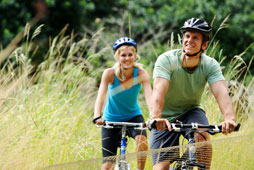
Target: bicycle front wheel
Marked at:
122, 165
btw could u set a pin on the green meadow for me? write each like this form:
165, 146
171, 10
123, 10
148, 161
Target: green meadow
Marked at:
46, 111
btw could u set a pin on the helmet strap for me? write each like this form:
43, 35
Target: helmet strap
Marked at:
191, 55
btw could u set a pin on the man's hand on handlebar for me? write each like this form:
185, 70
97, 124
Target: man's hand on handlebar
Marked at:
161, 124
228, 126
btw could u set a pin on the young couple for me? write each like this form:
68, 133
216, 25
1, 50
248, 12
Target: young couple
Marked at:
179, 79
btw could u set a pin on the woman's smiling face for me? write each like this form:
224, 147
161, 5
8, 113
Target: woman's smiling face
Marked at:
127, 57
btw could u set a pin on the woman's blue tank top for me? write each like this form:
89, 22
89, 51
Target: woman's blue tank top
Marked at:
122, 104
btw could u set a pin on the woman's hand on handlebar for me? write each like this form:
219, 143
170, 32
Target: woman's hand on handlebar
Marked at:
98, 120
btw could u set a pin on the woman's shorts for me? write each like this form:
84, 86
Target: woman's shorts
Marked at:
111, 138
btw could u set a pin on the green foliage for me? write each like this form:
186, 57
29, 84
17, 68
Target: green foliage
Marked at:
143, 20
239, 34
13, 17
46, 116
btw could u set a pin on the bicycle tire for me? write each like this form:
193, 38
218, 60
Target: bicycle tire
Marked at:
122, 165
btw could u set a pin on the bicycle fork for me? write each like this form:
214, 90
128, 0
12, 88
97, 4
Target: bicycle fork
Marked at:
192, 154
123, 143
192, 149
123, 164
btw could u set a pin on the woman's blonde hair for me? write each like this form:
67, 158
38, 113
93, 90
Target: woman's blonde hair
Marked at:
119, 71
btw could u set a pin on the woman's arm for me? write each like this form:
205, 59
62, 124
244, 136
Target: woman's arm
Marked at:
106, 79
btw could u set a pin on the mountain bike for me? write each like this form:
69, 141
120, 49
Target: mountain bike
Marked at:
122, 163
187, 161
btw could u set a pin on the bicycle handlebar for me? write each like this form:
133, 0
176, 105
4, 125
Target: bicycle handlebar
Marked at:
178, 127
110, 125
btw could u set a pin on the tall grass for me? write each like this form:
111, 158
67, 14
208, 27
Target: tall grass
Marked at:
46, 116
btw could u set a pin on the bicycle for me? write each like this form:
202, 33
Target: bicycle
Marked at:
187, 161
123, 164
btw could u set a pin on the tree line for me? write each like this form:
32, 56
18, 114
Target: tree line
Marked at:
141, 19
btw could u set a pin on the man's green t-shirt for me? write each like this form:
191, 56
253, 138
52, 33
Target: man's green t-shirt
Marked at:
185, 87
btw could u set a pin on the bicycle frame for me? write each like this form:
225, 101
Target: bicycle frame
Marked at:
190, 162
122, 164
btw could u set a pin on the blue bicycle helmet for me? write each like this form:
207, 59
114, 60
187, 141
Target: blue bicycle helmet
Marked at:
199, 25
124, 41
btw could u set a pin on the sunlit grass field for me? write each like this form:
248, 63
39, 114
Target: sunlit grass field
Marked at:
46, 116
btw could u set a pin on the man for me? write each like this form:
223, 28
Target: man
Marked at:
180, 77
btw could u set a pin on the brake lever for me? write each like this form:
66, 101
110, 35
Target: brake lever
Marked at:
152, 125
218, 129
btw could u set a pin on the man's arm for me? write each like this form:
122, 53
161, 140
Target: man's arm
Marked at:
160, 88
220, 92
144, 78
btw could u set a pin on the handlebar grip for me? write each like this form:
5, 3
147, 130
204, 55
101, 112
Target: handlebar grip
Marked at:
152, 125
237, 127
235, 130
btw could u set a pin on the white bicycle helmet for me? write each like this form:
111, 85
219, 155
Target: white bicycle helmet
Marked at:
199, 25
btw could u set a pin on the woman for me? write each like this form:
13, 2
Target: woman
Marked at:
122, 84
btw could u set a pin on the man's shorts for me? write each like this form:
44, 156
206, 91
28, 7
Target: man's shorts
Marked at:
111, 138
164, 138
